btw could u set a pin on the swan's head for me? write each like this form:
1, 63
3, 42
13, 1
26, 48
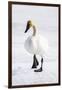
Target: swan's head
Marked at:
29, 24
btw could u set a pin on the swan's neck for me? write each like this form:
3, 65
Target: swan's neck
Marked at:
34, 30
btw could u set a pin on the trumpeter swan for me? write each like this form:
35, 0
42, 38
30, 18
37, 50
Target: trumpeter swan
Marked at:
36, 45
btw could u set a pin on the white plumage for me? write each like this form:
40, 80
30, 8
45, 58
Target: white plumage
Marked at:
36, 44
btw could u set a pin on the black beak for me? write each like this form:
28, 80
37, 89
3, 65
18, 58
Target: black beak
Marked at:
27, 27
26, 30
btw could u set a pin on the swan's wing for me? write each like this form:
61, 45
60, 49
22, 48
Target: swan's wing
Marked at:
30, 45
43, 43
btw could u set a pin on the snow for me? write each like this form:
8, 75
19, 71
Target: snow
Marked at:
22, 73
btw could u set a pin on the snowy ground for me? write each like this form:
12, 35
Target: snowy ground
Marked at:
22, 74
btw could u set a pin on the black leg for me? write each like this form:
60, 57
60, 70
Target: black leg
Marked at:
40, 69
35, 62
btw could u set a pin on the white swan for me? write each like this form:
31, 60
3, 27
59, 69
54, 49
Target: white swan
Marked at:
35, 44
